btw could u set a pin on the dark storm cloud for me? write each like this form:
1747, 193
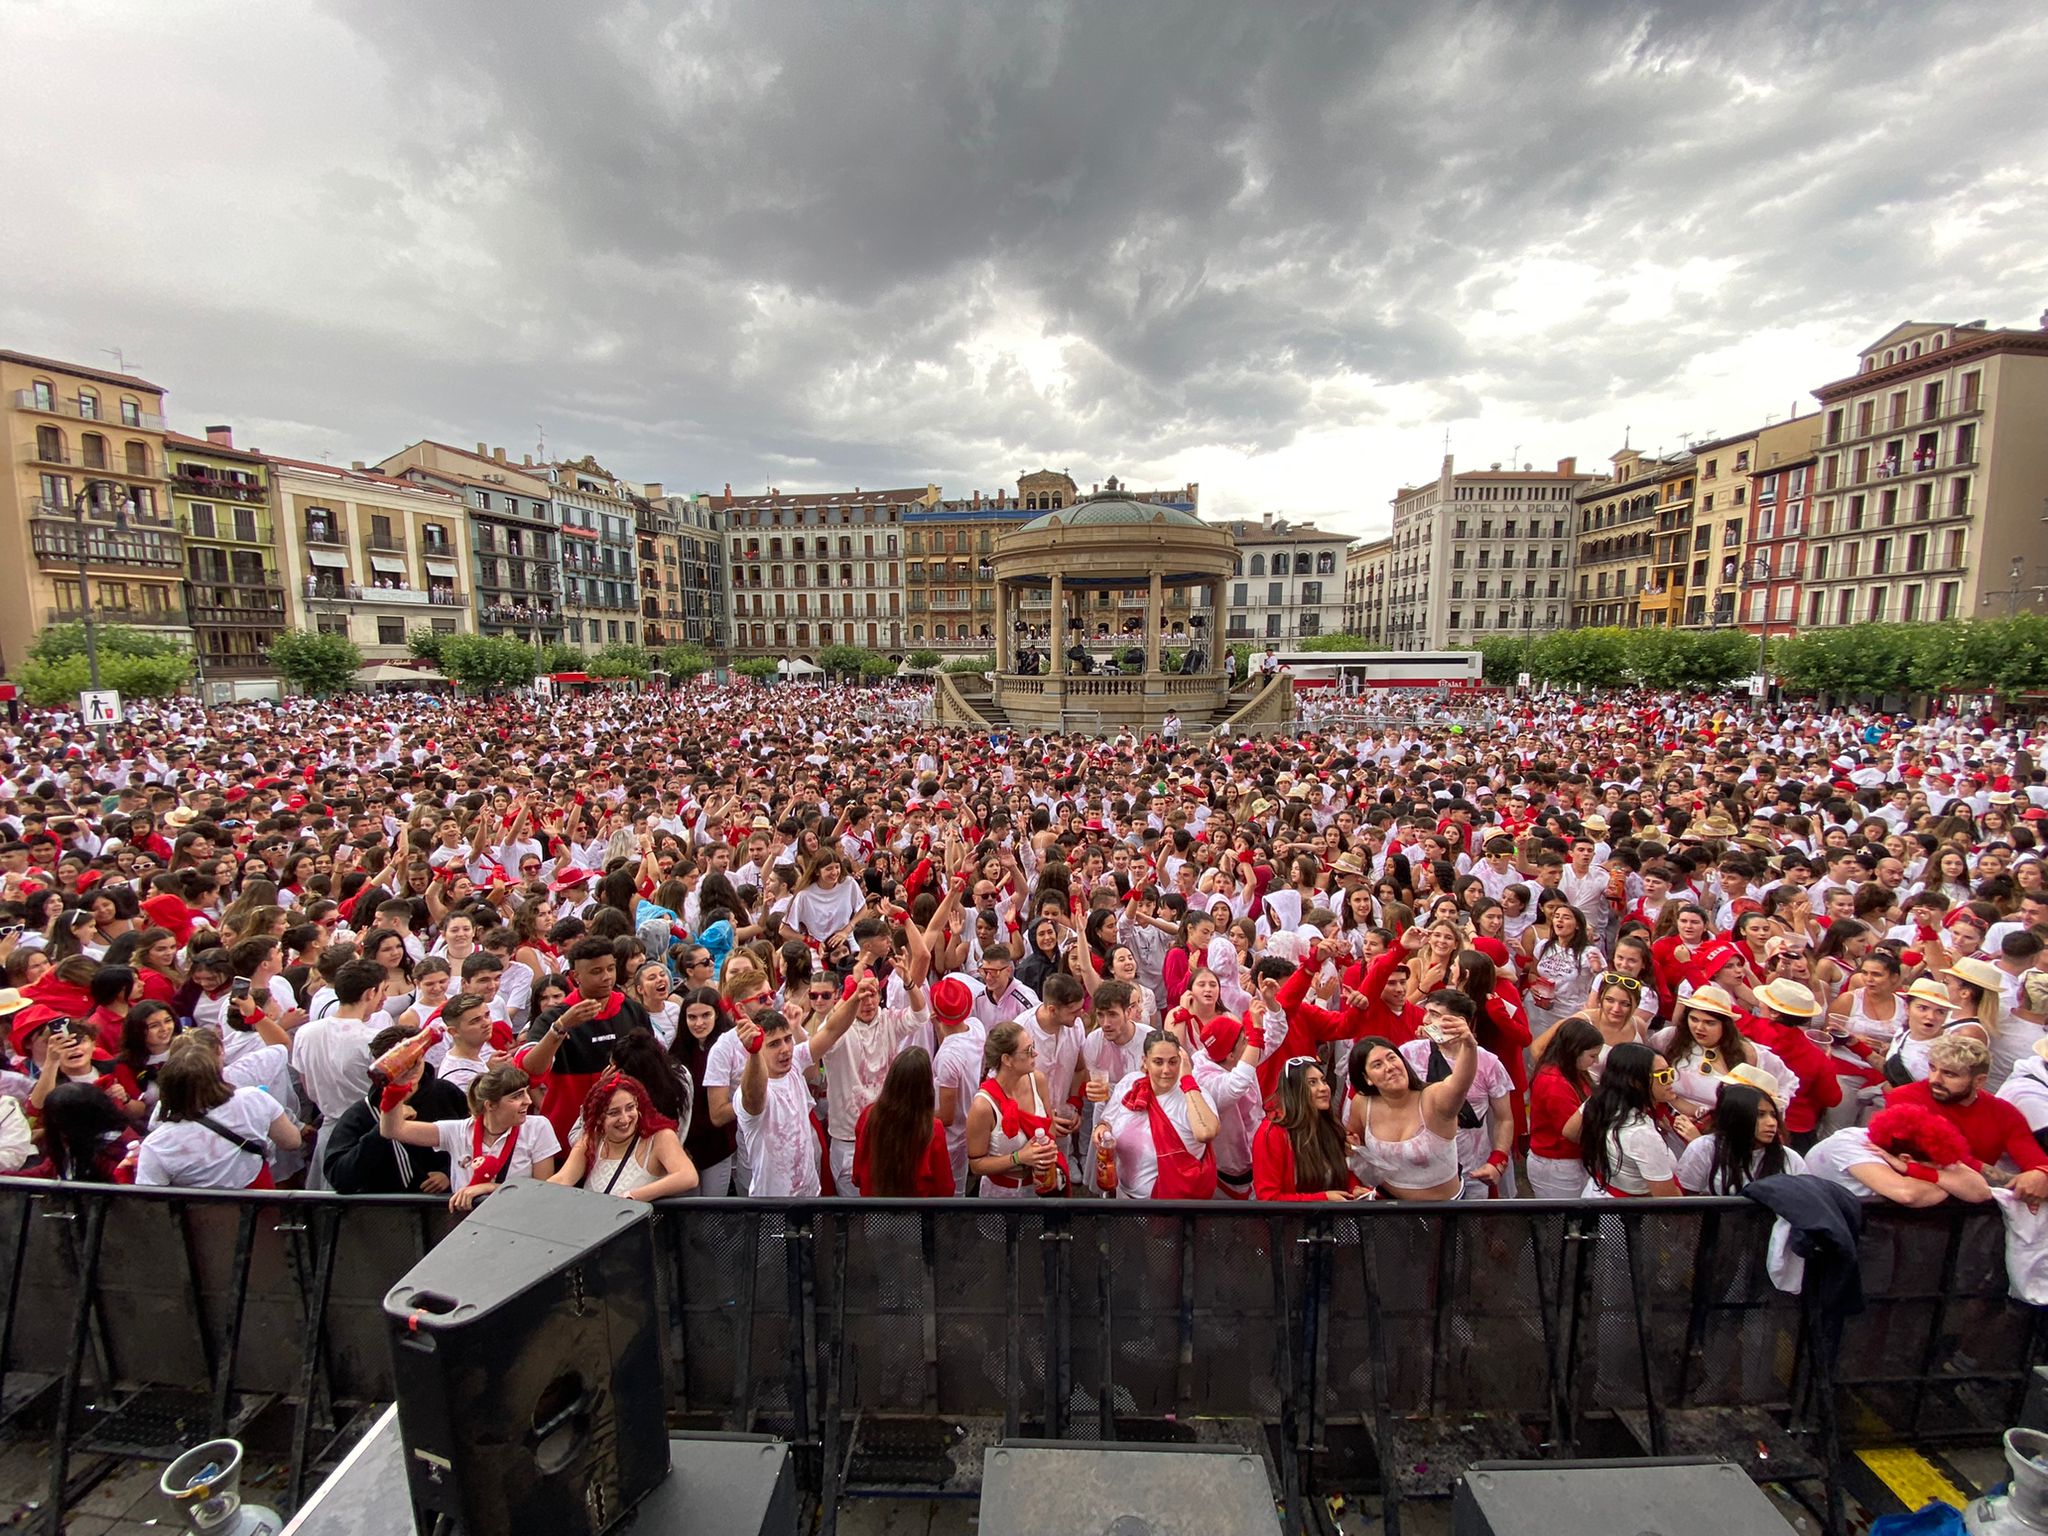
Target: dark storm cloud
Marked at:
803, 244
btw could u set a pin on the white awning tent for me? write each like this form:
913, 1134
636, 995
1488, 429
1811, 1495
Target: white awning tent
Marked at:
796, 666
387, 672
333, 559
441, 567
387, 565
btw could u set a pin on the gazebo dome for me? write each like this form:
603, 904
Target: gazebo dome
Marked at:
1112, 509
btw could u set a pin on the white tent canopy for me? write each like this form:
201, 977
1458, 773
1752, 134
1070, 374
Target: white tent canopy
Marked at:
796, 666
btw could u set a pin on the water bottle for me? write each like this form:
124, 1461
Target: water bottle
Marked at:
1047, 1178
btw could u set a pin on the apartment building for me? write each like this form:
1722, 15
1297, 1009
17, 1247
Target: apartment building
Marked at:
84, 503
370, 556
1628, 524
1481, 552
234, 592
949, 592
1780, 511
515, 573
600, 553
700, 568
1365, 588
820, 568
1289, 581
1932, 478
1720, 529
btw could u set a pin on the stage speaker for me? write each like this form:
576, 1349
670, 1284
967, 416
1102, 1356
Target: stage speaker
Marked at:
1652, 1496
529, 1368
1088, 1488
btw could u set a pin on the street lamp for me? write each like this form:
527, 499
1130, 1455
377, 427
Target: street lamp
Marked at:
79, 504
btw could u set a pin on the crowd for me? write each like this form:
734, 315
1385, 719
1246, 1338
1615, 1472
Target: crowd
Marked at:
719, 941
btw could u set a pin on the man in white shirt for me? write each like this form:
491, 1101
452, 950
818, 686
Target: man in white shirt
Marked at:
332, 1055
775, 1103
870, 1038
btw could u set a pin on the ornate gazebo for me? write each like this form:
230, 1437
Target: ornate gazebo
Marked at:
1082, 594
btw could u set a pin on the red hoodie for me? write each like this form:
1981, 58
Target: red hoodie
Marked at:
1307, 1026
168, 911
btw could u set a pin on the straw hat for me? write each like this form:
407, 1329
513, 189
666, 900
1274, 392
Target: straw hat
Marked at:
1711, 999
1756, 1077
12, 1001
1928, 990
1978, 973
1787, 996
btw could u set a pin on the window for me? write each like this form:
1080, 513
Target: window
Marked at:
1238, 594
442, 626
202, 521
1274, 593
44, 396
1258, 565
629, 632
390, 631
1311, 591
1272, 626
131, 413
331, 623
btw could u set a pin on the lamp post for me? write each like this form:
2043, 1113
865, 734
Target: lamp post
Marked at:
79, 504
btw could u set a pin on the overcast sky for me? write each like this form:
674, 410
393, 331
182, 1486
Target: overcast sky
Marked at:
1278, 248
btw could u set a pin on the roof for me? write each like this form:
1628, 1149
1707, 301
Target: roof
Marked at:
1965, 342
208, 445
1113, 509
1247, 532
81, 370
367, 476
820, 499
537, 472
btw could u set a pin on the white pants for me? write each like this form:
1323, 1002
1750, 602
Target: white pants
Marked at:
1556, 1178
842, 1165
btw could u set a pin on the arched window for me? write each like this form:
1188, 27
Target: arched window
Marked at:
88, 405
1258, 565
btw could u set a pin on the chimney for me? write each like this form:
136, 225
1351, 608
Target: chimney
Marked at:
483, 450
356, 465
1568, 466
529, 459
224, 436
498, 454
654, 490
1266, 520
728, 491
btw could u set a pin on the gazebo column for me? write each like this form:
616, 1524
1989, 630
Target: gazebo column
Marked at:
1155, 600
1003, 641
1059, 626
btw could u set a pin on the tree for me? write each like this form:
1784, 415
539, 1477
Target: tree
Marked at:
760, 668
559, 656
1338, 642
317, 662
685, 660
924, 661
975, 664
1588, 657
425, 645
59, 682
874, 666
617, 660
60, 642
841, 660
1720, 656
487, 661
1506, 658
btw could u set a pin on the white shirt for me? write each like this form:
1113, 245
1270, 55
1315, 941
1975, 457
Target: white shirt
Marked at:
184, 1154
458, 1139
1637, 1157
1833, 1156
332, 1056
1696, 1167
858, 1063
2027, 1090
780, 1147
957, 1065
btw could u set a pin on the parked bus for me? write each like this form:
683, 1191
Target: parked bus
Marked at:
1358, 671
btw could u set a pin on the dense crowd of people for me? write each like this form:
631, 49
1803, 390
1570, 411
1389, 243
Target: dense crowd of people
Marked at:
740, 940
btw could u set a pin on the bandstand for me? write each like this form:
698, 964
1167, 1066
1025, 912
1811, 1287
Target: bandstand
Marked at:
1108, 616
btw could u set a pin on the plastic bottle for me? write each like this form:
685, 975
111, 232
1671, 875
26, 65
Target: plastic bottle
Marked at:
1105, 1169
1046, 1179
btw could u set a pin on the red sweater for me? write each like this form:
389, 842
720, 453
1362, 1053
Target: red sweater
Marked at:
1819, 1087
1273, 1167
1307, 1026
1993, 1127
933, 1177
1552, 1101
1370, 978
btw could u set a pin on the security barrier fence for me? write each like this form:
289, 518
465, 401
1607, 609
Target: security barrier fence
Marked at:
1370, 1350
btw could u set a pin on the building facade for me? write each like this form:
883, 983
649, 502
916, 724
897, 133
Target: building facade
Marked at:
234, 593
1619, 519
1932, 477
1720, 530
1289, 582
700, 555
514, 566
69, 427
370, 556
1780, 511
818, 568
1365, 589
1481, 552
600, 554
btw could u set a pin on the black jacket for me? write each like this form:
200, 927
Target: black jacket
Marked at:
1827, 1223
360, 1161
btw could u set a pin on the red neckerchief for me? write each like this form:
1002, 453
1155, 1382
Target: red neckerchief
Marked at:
610, 1009
1183, 1175
1016, 1119
485, 1170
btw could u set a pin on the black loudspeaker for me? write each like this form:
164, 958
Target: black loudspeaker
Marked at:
529, 1368
1657, 1496
1086, 1488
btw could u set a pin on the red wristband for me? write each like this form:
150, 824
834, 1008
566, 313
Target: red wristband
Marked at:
1073, 1101
754, 1045
1188, 1083
394, 1094
1926, 1173
1496, 1159
1256, 1033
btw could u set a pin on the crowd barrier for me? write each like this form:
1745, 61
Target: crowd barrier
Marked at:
1363, 1349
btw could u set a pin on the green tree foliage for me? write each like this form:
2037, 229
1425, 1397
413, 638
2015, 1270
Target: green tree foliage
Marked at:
62, 641
841, 660
1506, 658
2004, 656
425, 644
58, 683
1339, 642
315, 662
1593, 658
685, 660
874, 667
560, 656
487, 661
618, 660
924, 661
974, 664
760, 668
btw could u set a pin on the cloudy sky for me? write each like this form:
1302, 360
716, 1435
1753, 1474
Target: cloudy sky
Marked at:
1278, 248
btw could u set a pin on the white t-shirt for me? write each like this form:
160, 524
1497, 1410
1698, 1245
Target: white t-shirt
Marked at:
1696, 1167
1638, 1157
458, 1140
2027, 1091
781, 1150
858, 1063
957, 1065
332, 1056
725, 1062
1833, 1156
184, 1154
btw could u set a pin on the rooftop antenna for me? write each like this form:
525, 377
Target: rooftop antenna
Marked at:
120, 361
541, 448
1625, 429
1514, 457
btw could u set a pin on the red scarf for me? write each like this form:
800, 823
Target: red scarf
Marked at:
610, 1009
1020, 1122
485, 1170
1183, 1175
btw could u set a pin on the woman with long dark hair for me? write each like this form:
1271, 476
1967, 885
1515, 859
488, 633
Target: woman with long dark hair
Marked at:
85, 1138
709, 1140
1298, 1152
899, 1144
1619, 1142
1747, 1142
1557, 1097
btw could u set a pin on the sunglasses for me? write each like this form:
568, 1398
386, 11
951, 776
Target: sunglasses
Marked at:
1616, 979
1294, 1064
1664, 1076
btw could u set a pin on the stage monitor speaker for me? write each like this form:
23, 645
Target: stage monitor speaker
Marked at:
1654, 1496
1088, 1487
528, 1366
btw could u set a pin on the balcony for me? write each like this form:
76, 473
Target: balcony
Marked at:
225, 531
384, 543
437, 549
220, 604
325, 531
520, 616
60, 542
191, 481
318, 591
25, 400
170, 616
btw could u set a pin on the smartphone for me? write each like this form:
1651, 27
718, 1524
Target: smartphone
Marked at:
239, 989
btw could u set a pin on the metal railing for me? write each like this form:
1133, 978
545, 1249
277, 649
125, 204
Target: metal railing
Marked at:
57, 405
1362, 1348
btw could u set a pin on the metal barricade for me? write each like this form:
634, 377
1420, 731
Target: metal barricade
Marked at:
1361, 1349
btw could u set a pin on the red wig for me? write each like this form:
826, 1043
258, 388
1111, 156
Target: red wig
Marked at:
1911, 1130
591, 1123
